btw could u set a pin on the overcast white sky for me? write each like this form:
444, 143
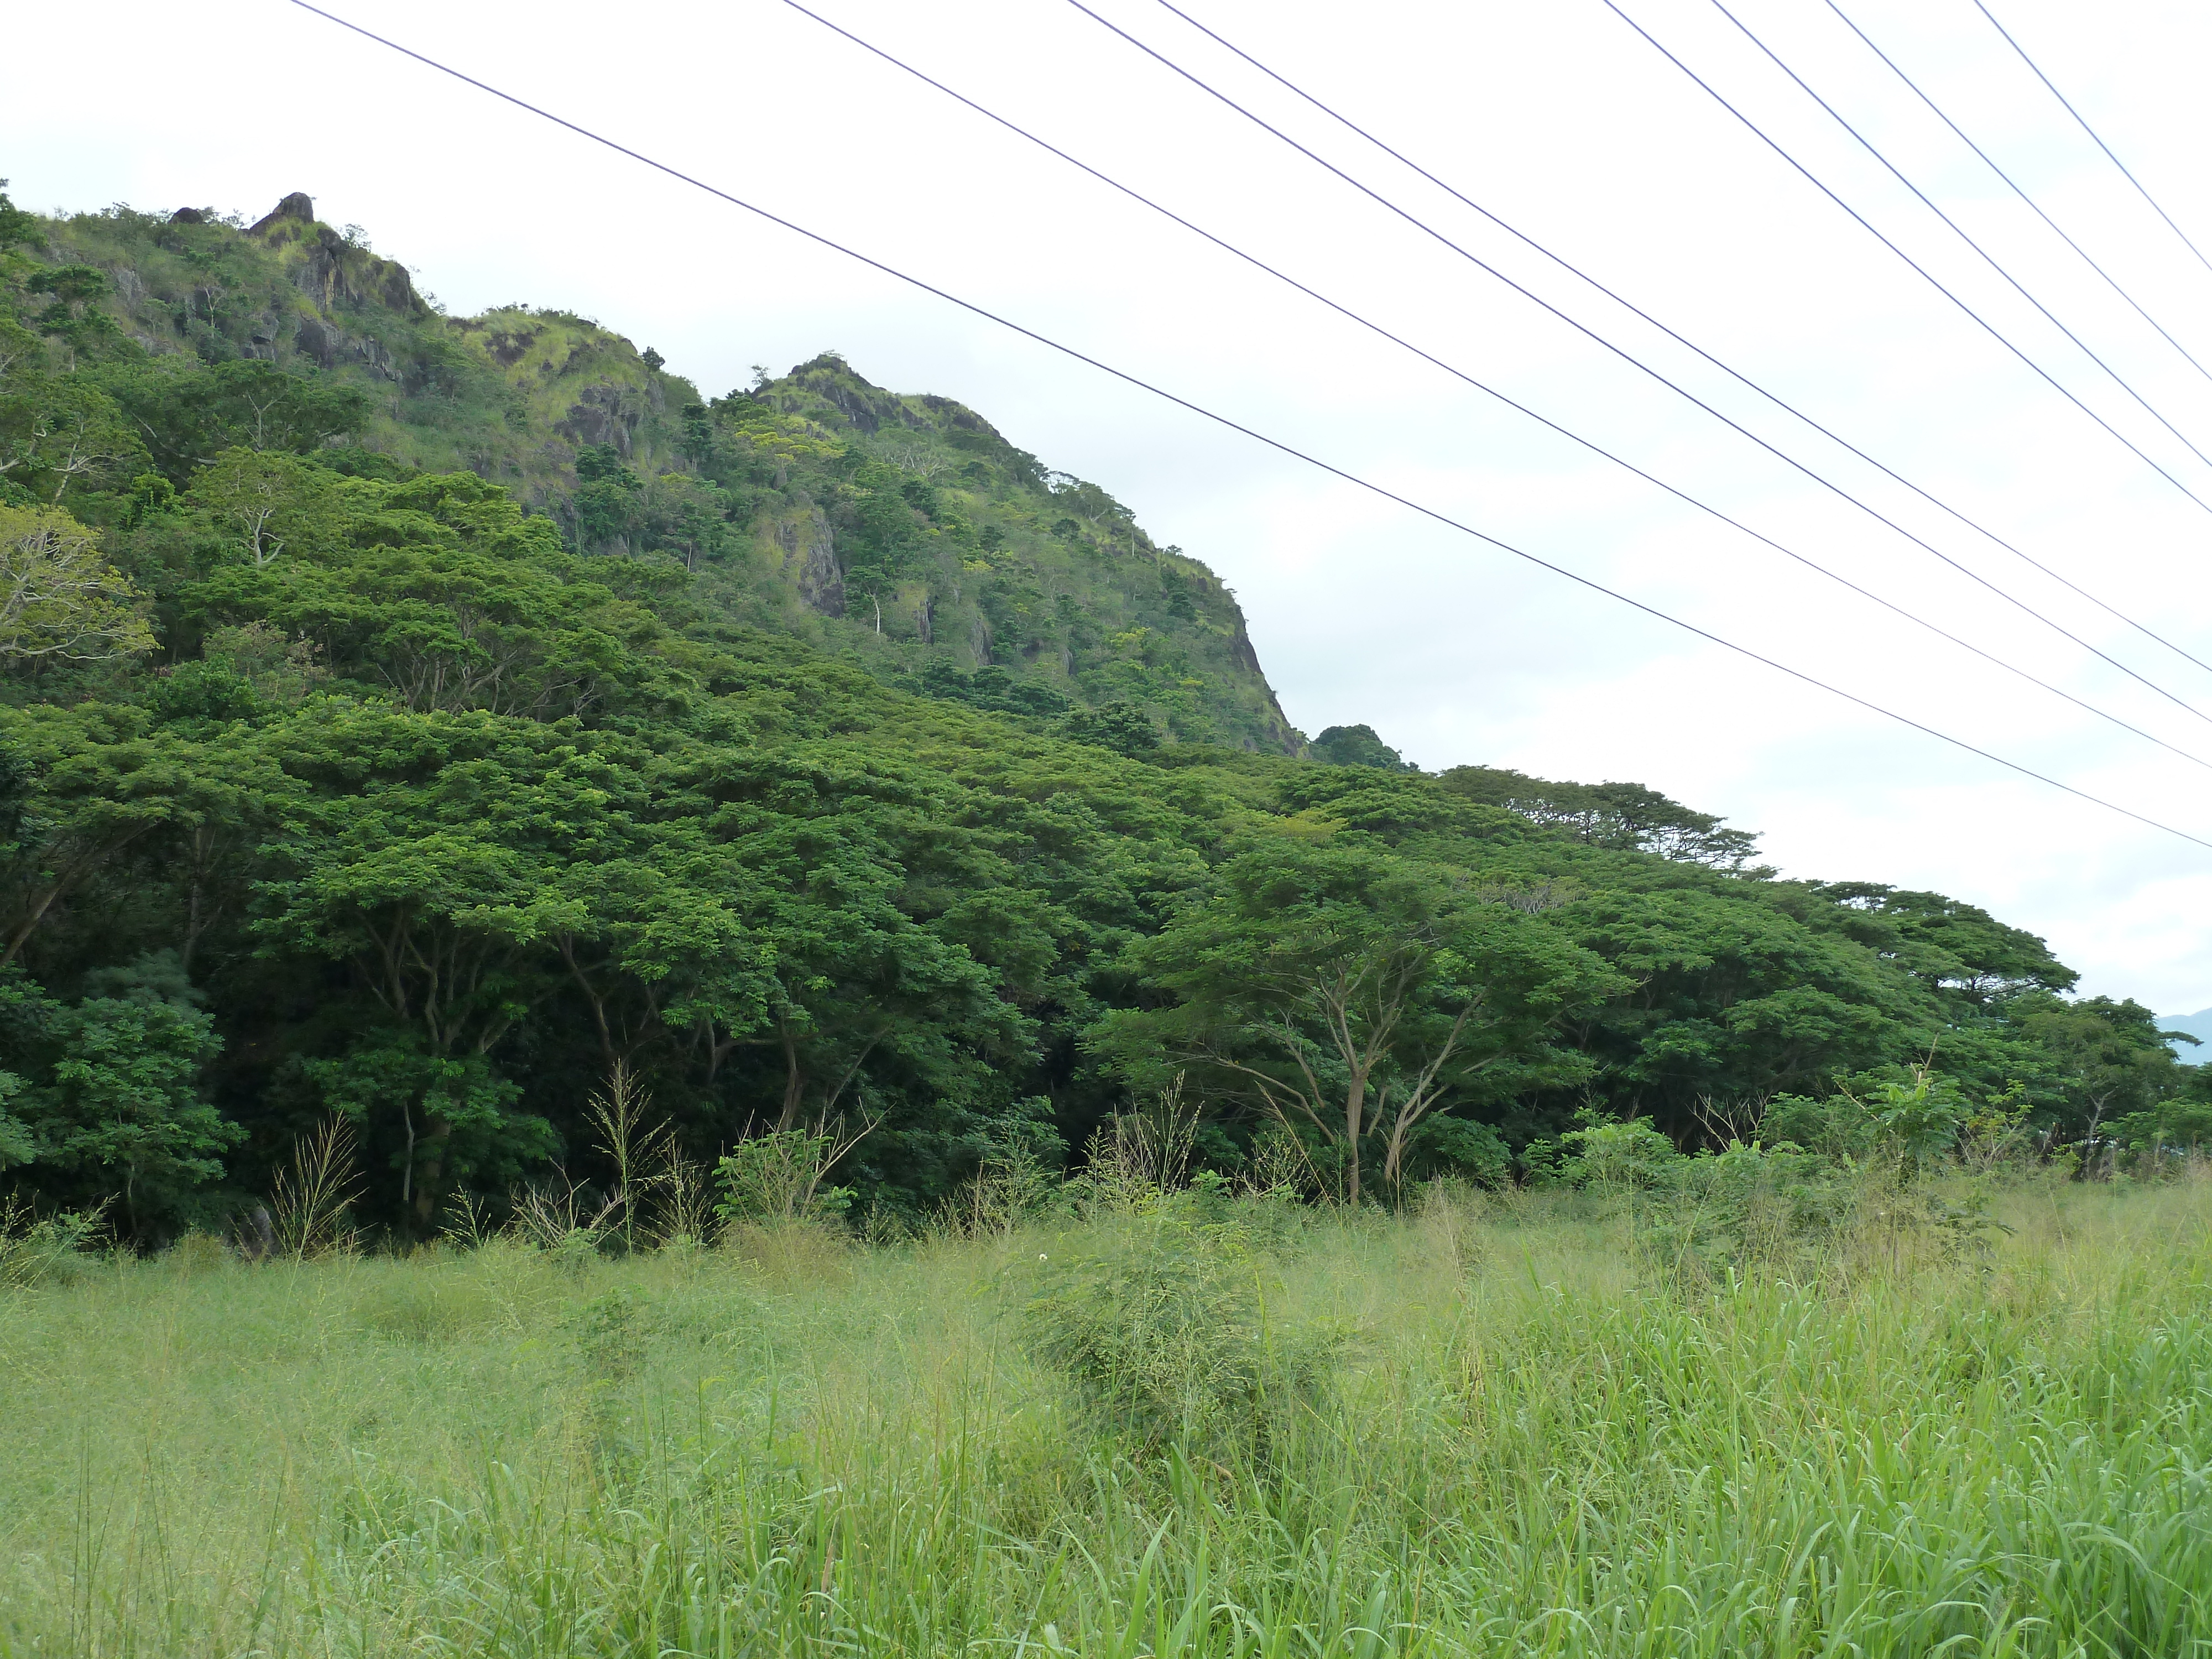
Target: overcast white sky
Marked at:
1556, 117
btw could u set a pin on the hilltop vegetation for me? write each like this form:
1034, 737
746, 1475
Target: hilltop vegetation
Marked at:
903, 531
411, 719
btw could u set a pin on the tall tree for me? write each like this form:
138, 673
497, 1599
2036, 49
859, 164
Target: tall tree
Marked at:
59, 599
1349, 993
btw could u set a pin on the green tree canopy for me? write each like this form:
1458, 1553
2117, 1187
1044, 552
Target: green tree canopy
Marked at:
1348, 994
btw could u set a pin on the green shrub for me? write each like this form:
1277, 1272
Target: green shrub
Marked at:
1158, 1317
423, 1301
53, 1249
1455, 1147
781, 1177
1619, 1156
1833, 1126
610, 1332
198, 1253
1754, 1203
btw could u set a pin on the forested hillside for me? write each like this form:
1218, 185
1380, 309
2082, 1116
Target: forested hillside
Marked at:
903, 531
410, 718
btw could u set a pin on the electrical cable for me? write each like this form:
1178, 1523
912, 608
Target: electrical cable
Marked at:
2092, 132
2111, 281
1688, 345
1988, 258
1991, 329
1481, 264
1225, 421
1460, 375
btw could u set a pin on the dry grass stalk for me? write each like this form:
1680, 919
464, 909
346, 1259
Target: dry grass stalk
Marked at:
311, 1204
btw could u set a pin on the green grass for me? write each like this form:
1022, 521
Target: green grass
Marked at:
1531, 1444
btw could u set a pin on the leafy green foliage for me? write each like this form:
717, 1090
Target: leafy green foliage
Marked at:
189, 414
1357, 745
113, 1104
61, 437
1120, 726
59, 598
471, 709
1348, 994
1626, 815
780, 1176
1158, 1318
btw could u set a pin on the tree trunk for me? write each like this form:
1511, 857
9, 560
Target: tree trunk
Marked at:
794, 1082
1355, 1110
434, 1170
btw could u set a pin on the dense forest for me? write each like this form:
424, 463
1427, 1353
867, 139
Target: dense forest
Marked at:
411, 718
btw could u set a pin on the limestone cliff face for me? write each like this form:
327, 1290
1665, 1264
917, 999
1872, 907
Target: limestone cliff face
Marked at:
810, 561
608, 412
1281, 732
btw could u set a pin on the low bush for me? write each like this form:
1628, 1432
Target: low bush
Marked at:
50, 1250
1902, 1169
1159, 1318
783, 1175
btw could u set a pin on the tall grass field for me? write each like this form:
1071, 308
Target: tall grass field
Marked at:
1176, 1425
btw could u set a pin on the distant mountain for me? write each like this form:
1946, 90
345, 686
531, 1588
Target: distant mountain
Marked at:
2198, 1025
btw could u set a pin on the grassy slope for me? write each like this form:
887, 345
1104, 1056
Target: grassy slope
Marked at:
1073, 596
816, 1448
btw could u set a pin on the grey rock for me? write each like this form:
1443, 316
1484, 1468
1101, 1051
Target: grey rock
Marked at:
604, 414
810, 558
315, 338
298, 205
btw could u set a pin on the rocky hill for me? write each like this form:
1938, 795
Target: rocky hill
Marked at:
903, 530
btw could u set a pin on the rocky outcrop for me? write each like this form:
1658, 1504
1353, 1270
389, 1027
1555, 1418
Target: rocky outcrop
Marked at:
1279, 728
865, 406
330, 345
958, 416
870, 408
508, 347
333, 270
604, 414
298, 206
810, 560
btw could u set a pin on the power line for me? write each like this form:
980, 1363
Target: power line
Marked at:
1988, 258
1460, 375
1224, 422
1628, 357
2092, 132
1680, 339
1990, 328
2111, 281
